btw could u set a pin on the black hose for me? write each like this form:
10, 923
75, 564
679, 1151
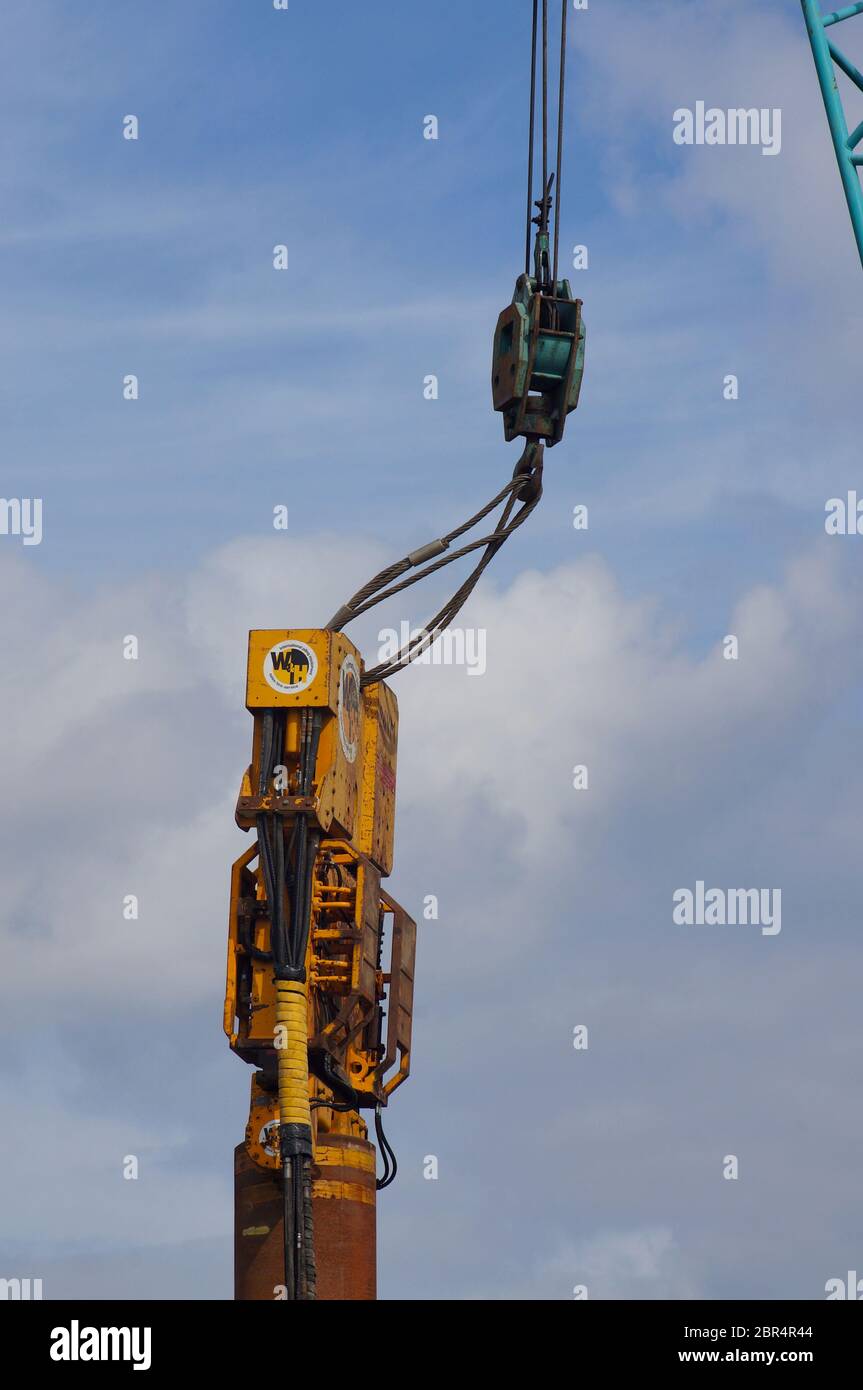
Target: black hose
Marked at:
391, 1166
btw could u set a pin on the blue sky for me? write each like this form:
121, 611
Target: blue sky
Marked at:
305, 388
155, 257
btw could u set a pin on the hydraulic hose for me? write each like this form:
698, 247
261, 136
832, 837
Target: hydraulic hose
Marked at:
293, 1059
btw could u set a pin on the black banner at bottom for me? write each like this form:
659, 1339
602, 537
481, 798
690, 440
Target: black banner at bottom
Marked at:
85, 1338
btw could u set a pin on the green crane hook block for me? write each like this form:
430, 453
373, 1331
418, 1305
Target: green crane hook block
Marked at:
538, 361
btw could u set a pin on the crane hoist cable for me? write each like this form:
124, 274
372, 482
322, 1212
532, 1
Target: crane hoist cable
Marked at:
537, 367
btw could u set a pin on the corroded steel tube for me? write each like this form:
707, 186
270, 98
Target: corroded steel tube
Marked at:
259, 1254
344, 1207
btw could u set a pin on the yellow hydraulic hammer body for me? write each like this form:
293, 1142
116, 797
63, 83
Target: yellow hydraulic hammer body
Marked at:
320, 792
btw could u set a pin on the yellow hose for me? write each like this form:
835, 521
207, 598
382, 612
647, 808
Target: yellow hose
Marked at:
292, 1021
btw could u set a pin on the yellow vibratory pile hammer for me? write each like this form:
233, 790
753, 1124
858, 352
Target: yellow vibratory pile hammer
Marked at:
306, 981
320, 958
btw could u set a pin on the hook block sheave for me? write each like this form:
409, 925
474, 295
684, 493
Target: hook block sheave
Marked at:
538, 361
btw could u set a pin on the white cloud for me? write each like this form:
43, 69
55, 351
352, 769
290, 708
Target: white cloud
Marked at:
730, 55
641, 1263
578, 673
133, 766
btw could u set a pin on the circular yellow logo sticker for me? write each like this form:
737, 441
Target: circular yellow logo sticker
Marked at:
290, 667
349, 708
